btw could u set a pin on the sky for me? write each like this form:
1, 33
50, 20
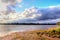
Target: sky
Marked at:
24, 11
21, 5
37, 3
30, 11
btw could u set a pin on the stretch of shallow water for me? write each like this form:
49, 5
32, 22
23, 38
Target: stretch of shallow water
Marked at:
11, 28
4, 28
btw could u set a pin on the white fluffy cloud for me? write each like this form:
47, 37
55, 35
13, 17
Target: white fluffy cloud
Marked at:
28, 15
7, 4
34, 15
2, 6
31, 13
6, 7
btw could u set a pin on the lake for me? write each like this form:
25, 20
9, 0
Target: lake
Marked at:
4, 29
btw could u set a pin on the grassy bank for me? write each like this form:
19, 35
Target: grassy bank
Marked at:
53, 32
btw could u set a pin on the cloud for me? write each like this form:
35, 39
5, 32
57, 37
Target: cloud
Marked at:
27, 16
8, 5
11, 1
2, 6
49, 21
40, 15
34, 14
20, 6
31, 13
19, 1
54, 6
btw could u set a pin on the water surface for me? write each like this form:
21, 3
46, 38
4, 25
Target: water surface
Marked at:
4, 29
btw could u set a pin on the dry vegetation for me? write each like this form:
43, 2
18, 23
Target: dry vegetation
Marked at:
50, 34
53, 32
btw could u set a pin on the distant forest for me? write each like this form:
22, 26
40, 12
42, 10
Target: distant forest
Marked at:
27, 23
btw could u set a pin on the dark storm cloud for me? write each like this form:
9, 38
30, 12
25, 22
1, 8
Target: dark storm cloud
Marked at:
49, 14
